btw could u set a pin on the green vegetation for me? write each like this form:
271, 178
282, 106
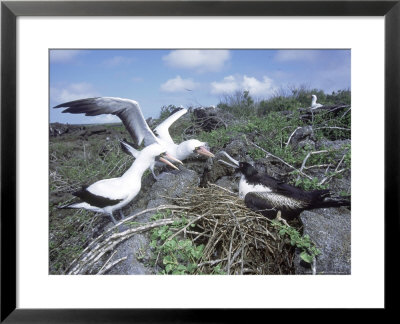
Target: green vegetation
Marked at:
178, 255
263, 124
73, 162
266, 126
308, 250
241, 104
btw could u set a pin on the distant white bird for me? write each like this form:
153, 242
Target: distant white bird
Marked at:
108, 195
314, 103
132, 117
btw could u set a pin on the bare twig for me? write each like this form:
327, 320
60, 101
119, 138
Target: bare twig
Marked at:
111, 265
106, 262
278, 158
334, 127
306, 158
291, 135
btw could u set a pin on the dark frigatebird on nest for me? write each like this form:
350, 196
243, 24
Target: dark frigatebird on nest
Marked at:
268, 196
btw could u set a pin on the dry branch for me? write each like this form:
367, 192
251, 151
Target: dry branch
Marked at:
283, 161
234, 237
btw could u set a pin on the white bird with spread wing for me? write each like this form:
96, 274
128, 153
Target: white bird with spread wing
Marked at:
132, 117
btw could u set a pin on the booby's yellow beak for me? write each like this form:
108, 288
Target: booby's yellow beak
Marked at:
167, 162
203, 151
170, 157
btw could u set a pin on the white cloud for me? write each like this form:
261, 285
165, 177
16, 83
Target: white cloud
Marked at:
178, 85
105, 119
199, 60
82, 90
73, 91
256, 87
228, 85
63, 56
296, 55
117, 60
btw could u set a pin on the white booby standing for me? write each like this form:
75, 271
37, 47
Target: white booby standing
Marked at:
132, 117
314, 103
108, 195
267, 195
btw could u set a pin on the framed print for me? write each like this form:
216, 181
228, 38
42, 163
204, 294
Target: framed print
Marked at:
96, 37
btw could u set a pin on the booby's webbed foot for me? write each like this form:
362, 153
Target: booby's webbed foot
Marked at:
154, 174
121, 228
121, 214
112, 218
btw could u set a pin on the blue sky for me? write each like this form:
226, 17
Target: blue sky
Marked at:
186, 78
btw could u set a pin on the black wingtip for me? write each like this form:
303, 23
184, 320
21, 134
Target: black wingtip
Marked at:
135, 146
124, 143
74, 102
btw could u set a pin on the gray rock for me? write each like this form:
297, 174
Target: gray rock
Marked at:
172, 184
230, 183
302, 135
330, 230
136, 249
214, 170
306, 144
210, 118
336, 145
237, 149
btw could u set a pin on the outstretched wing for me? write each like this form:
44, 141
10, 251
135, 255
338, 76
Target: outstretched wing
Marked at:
162, 129
126, 109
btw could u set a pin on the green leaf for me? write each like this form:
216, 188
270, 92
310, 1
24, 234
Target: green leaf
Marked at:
169, 268
168, 259
181, 267
306, 257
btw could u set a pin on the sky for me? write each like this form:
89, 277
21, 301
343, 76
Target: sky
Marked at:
188, 78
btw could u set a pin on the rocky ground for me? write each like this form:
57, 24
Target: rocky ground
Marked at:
329, 229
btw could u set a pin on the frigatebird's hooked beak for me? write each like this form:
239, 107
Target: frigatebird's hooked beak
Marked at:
231, 159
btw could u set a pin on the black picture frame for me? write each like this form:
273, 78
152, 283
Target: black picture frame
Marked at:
10, 10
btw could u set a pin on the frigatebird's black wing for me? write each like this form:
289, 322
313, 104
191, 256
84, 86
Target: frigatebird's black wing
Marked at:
275, 185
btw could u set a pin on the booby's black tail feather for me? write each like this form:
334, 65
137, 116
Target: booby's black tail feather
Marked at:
67, 206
